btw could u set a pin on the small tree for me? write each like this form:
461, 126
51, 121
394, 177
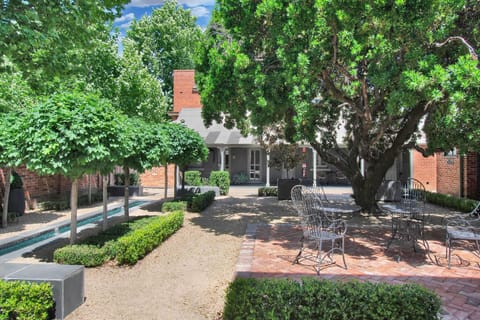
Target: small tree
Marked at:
70, 134
285, 156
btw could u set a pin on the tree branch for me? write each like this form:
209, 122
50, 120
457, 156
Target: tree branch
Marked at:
470, 48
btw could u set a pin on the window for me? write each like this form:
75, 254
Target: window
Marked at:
451, 153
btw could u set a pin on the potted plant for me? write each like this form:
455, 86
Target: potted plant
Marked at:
16, 198
285, 157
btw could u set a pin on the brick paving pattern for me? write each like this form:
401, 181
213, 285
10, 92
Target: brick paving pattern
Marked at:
269, 249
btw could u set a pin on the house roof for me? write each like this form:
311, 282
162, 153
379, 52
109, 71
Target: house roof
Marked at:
216, 134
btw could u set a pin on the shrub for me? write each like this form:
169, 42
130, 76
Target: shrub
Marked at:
193, 178
201, 201
23, 300
135, 245
174, 206
221, 179
240, 178
119, 179
268, 192
97, 249
87, 255
314, 299
461, 204
64, 204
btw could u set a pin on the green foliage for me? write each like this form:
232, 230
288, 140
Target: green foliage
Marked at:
126, 241
87, 255
285, 156
240, 178
174, 206
461, 204
220, 179
63, 204
15, 92
136, 245
322, 299
71, 134
268, 192
28, 301
186, 145
193, 178
201, 201
167, 39
353, 80
119, 179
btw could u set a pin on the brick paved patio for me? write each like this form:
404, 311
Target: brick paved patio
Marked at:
268, 251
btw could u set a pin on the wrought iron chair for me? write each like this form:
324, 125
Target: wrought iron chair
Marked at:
318, 227
463, 228
409, 216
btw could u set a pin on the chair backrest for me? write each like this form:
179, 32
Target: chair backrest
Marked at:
414, 197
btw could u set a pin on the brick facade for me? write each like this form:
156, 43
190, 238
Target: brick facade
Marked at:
185, 94
156, 177
448, 174
425, 170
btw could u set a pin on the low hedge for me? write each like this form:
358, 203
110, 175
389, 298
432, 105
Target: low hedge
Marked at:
193, 178
201, 201
268, 192
444, 200
96, 250
323, 299
221, 179
64, 204
25, 300
135, 245
174, 206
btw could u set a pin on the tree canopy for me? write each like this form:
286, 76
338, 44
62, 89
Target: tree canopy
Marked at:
354, 79
167, 40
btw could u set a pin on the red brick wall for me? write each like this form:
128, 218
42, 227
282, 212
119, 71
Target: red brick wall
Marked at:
183, 93
156, 177
448, 174
471, 175
36, 186
425, 170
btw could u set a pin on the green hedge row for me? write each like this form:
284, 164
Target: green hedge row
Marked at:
136, 245
193, 178
64, 204
461, 204
268, 192
174, 206
96, 250
201, 201
26, 301
328, 300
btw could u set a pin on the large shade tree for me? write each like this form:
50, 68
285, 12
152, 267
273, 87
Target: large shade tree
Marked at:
167, 39
71, 134
374, 68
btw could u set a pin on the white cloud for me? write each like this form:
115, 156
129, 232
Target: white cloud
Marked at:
200, 12
188, 3
126, 18
125, 25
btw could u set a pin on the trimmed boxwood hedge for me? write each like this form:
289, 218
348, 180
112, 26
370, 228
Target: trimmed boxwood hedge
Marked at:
174, 206
111, 244
25, 300
135, 245
221, 179
201, 201
444, 200
268, 192
328, 300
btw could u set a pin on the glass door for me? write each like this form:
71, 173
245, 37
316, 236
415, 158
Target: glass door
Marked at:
254, 165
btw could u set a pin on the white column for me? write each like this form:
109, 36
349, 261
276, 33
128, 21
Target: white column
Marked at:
314, 154
222, 158
267, 184
410, 153
362, 167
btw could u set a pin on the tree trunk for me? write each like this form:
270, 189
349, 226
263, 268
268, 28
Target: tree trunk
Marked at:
166, 181
89, 177
5, 198
126, 171
183, 179
105, 203
73, 206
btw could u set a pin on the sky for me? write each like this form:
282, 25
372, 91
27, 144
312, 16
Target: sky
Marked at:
136, 9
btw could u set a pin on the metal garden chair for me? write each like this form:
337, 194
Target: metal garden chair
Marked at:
319, 228
463, 228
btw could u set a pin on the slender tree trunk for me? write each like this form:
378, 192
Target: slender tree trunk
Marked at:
166, 181
6, 196
89, 177
73, 206
175, 181
126, 171
105, 203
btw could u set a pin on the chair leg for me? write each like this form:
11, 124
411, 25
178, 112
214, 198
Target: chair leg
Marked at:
299, 254
448, 249
343, 253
